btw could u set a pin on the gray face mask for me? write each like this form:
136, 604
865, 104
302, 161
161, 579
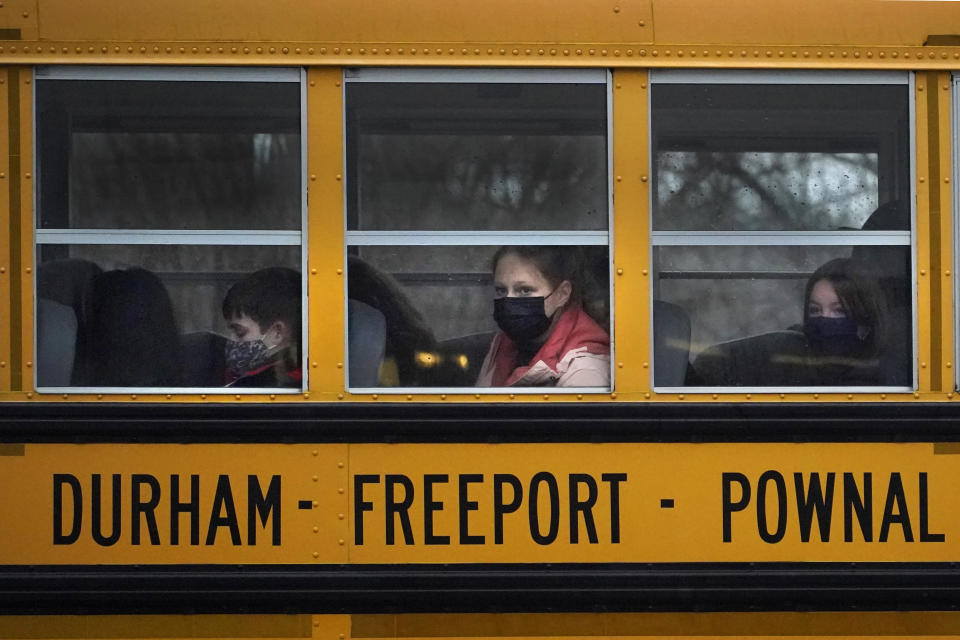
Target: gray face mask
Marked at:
245, 356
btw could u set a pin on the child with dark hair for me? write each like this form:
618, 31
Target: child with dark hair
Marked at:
844, 319
264, 313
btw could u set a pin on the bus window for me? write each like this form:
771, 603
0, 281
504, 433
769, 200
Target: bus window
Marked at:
158, 190
782, 226
448, 170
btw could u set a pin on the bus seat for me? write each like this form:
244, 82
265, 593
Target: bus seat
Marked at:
775, 359
367, 343
462, 357
203, 354
671, 344
56, 343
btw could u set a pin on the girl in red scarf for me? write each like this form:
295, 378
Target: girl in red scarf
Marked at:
545, 337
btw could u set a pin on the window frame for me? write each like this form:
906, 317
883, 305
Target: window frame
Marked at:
407, 238
178, 237
788, 238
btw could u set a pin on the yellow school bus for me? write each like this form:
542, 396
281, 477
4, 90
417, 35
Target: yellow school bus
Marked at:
329, 319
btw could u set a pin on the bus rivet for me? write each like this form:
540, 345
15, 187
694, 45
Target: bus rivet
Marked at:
949, 365
643, 178
950, 395
642, 23
169, 396
273, 396
29, 364
313, 272
782, 396
314, 453
409, 397
339, 177
620, 364
3, 364
3, 269
339, 396
477, 396
923, 272
619, 178
749, 396
339, 272
316, 529
203, 396
342, 636
99, 396
341, 516
616, 9
512, 396
339, 365
306, 395
65, 396
316, 622
644, 272
922, 179
313, 176
647, 396
619, 271
916, 395
236, 397
29, 270
946, 179
340, 490
546, 396
316, 478
443, 396
883, 396
579, 396
646, 364
27, 176
849, 396
715, 396
314, 364
613, 396
339, 465
316, 554
133, 396
923, 365
816, 396
2, 174
375, 396
29, 395
920, 87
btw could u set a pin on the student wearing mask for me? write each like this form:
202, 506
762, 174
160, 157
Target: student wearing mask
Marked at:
844, 322
545, 337
263, 312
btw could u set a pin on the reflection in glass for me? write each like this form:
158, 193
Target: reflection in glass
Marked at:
779, 157
168, 155
476, 157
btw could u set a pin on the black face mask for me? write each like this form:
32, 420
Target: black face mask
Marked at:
833, 336
521, 318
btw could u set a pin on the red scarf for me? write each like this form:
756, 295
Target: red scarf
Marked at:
574, 329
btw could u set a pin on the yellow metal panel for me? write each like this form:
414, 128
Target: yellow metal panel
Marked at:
946, 233
785, 22
18, 19
631, 231
311, 517
791, 624
25, 240
6, 304
156, 626
923, 234
325, 230
347, 20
